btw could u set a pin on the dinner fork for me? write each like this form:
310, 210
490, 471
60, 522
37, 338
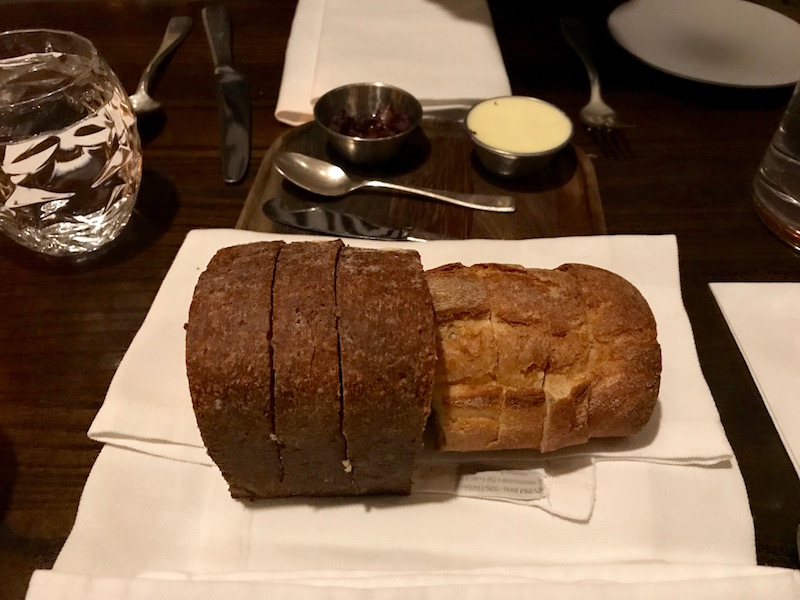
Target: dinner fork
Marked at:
600, 119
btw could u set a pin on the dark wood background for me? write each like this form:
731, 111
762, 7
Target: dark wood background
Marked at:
64, 329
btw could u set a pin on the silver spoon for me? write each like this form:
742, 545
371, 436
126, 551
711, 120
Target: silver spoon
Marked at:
326, 179
177, 29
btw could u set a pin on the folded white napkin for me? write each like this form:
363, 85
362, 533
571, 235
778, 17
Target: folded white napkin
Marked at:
141, 515
444, 52
621, 582
665, 507
765, 321
148, 407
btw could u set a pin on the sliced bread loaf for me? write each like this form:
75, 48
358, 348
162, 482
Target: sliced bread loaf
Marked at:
228, 363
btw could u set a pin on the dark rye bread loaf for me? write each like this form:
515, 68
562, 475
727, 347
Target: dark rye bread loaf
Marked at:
534, 358
306, 370
387, 343
310, 368
229, 368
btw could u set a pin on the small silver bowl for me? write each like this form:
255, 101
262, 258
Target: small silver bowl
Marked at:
546, 132
360, 102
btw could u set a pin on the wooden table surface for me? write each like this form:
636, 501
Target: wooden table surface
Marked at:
64, 329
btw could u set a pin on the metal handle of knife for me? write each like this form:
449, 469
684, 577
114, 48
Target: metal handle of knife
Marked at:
233, 95
330, 221
218, 30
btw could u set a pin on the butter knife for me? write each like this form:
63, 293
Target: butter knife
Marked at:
233, 95
319, 219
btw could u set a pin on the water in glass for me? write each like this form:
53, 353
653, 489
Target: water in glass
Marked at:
70, 161
776, 187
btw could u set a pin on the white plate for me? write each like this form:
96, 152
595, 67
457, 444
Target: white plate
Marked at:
725, 42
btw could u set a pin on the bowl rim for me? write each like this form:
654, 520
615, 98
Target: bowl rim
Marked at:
511, 154
414, 124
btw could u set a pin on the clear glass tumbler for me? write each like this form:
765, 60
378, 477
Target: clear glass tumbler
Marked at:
776, 187
70, 154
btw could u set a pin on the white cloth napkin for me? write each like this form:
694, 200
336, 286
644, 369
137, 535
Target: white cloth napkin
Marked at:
765, 321
666, 507
141, 515
444, 52
148, 407
621, 582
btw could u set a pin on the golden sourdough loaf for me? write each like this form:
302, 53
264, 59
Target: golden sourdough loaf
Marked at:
543, 359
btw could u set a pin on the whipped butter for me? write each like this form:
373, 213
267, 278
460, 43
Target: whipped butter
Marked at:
519, 124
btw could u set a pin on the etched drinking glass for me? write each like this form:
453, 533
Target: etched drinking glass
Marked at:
70, 154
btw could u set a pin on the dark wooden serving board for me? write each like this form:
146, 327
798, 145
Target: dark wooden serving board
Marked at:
561, 200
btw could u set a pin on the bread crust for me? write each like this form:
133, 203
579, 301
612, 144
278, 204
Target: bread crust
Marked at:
626, 362
228, 364
387, 350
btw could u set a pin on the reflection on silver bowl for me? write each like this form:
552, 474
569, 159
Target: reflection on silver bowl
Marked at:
359, 103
